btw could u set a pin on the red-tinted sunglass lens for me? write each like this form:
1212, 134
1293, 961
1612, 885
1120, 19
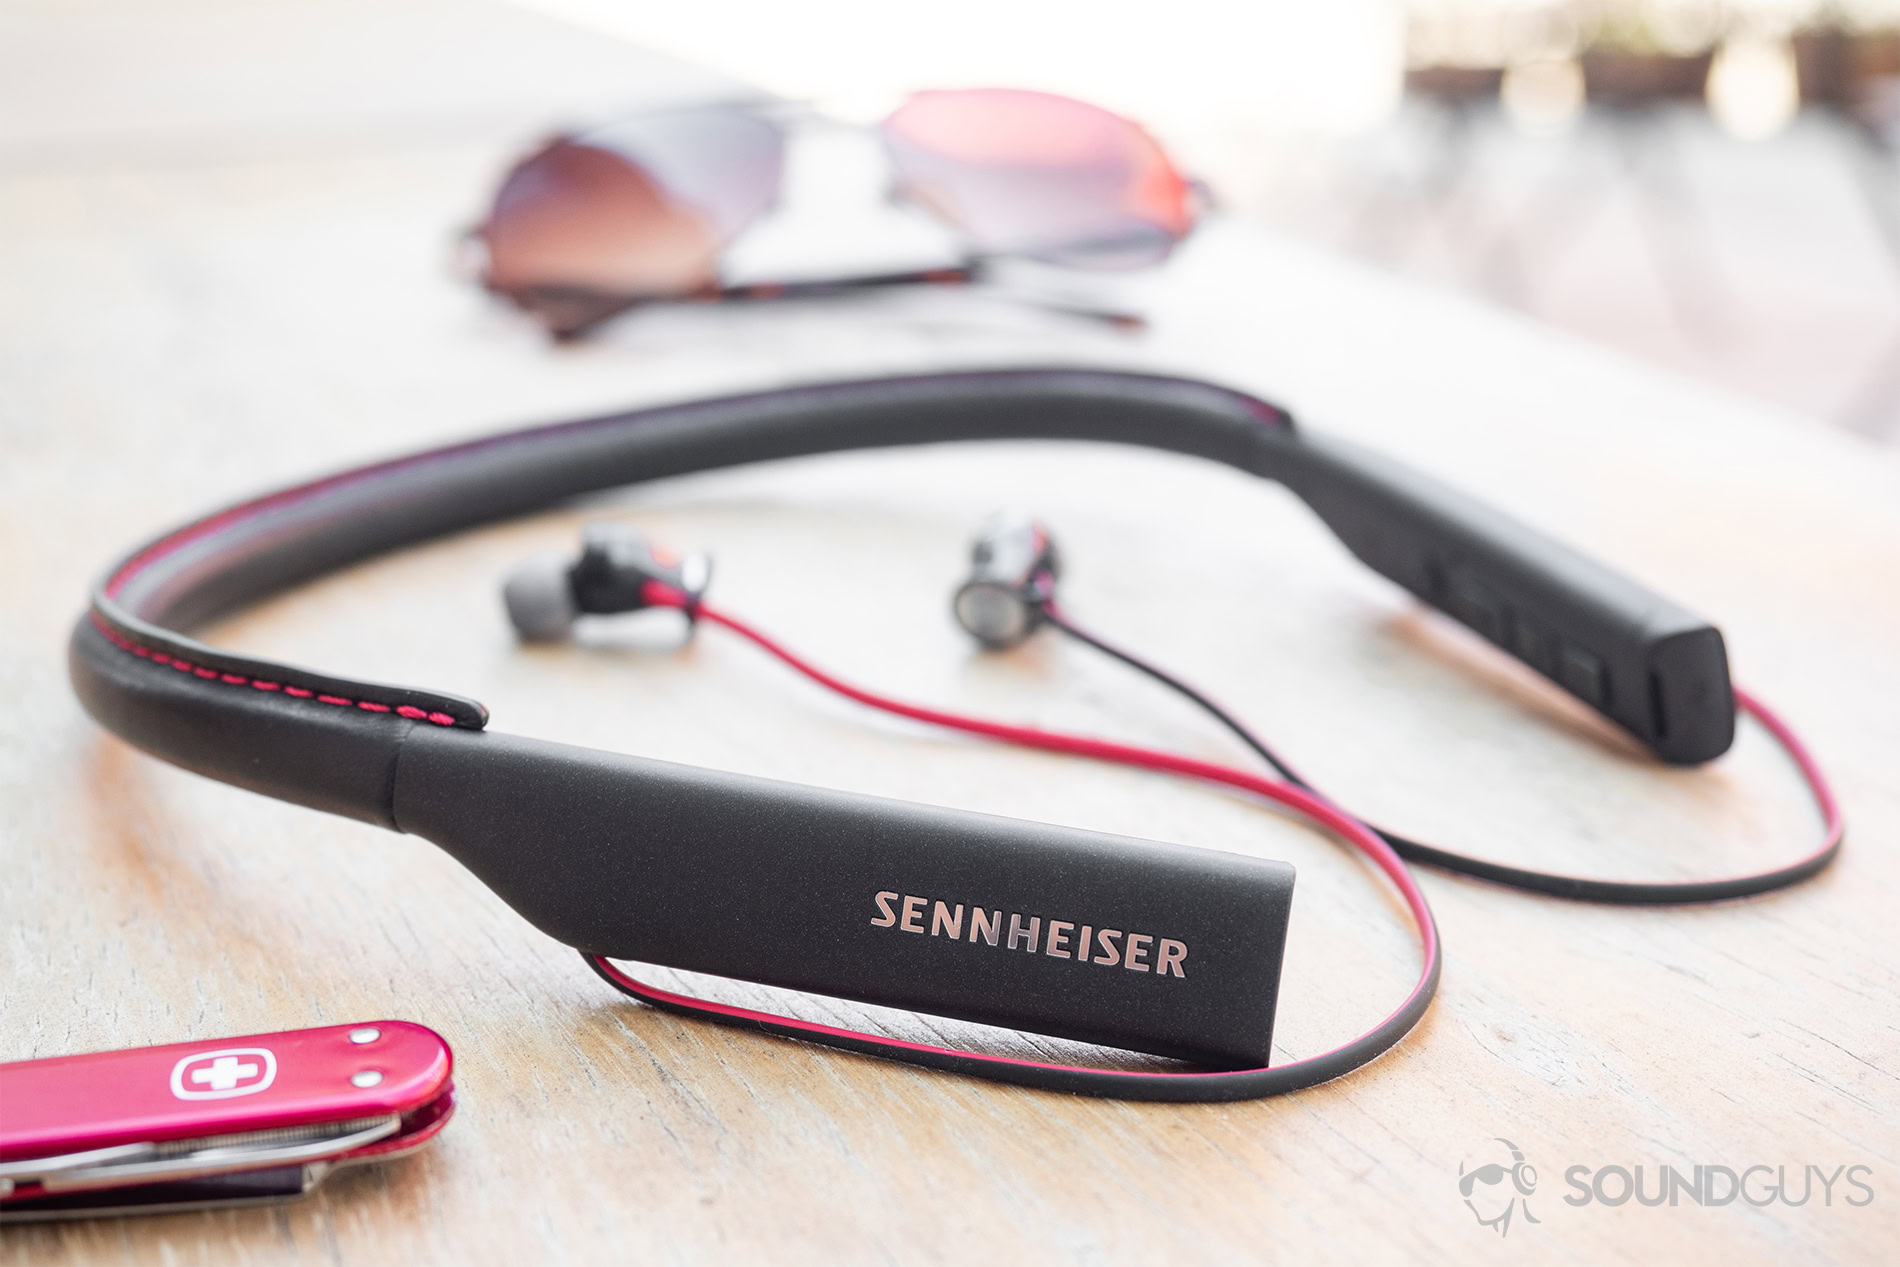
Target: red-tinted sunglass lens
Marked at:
725, 162
639, 208
1030, 173
575, 217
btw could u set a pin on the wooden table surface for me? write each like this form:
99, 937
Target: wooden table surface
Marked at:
222, 241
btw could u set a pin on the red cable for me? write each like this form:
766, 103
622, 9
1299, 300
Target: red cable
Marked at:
1235, 1084
1312, 807
1834, 825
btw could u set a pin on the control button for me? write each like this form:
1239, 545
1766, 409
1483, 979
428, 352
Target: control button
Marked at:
366, 1079
1582, 675
1533, 645
1478, 607
367, 1034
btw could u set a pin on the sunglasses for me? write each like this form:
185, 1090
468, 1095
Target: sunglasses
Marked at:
597, 222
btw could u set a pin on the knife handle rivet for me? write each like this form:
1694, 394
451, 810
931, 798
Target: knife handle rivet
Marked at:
367, 1078
367, 1034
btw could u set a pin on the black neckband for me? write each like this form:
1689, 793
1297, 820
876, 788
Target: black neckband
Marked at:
546, 825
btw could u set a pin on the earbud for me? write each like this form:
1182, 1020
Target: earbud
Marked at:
548, 591
540, 596
1013, 571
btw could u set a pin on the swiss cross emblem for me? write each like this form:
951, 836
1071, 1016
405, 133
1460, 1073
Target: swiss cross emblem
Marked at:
219, 1075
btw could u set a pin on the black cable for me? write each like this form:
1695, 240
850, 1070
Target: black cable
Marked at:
1577, 888
1184, 1085
1193, 1086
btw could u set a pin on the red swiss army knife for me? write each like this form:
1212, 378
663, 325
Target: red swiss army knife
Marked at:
231, 1121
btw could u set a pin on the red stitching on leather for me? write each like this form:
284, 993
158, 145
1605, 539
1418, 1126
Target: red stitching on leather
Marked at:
123, 643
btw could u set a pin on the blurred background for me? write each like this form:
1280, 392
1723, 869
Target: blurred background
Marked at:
1711, 185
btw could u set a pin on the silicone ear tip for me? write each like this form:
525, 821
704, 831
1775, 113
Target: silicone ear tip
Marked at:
539, 597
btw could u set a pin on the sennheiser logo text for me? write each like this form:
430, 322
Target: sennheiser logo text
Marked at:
1060, 939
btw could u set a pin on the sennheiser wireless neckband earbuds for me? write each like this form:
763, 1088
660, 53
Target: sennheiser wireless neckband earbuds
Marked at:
627, 858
